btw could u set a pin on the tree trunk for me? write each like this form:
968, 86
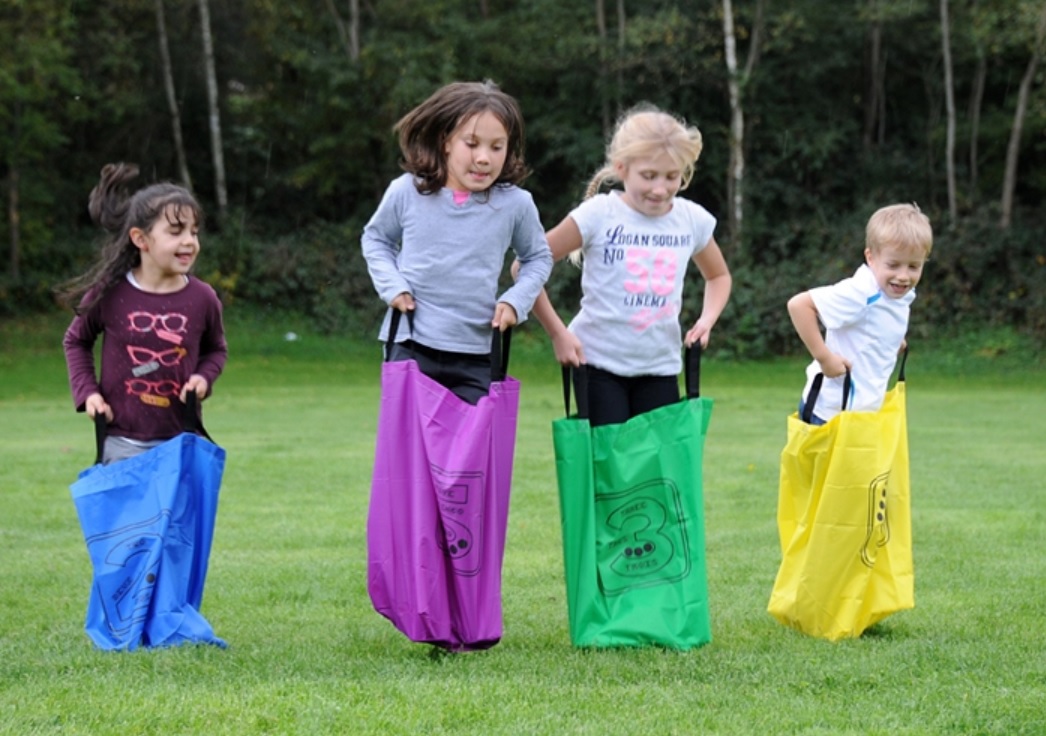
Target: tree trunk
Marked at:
172, 100
14, 183
601, 30
875, 106
875, 83
619, 93
349, 33
13, 222
976, 100
354, 28
949, 102
214, 118
1009, 182
735, 177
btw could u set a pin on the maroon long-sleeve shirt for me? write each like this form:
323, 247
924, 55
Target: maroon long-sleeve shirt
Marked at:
153, 343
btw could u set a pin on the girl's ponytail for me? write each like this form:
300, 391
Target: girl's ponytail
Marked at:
109, 200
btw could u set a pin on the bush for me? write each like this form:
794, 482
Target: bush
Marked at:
318, 271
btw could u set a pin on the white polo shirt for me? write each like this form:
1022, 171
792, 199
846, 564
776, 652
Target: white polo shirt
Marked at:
866, 326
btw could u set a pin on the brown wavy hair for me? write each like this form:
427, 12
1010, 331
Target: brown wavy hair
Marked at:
424, 131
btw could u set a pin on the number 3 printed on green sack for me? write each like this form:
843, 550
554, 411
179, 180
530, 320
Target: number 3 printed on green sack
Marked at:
631, 507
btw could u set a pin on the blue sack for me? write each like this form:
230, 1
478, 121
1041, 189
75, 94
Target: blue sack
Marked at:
148, 522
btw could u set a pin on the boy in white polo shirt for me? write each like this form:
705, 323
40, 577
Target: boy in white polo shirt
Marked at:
865, 316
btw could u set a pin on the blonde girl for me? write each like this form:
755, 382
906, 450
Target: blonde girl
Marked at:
634, 244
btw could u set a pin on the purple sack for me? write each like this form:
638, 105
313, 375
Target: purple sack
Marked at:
439, 508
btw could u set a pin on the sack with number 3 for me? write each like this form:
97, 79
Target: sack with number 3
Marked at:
632, 515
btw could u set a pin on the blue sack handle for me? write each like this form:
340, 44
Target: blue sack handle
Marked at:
191, 422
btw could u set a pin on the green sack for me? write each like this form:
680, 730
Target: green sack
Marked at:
631, 508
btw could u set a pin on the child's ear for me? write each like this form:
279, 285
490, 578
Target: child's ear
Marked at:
868, 256
137, 236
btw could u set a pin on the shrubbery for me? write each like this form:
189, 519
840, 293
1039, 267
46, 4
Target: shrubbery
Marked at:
978, 277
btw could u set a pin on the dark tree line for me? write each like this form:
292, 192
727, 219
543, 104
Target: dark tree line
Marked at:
279, 116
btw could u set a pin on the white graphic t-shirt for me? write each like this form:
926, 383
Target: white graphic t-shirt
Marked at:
632, 282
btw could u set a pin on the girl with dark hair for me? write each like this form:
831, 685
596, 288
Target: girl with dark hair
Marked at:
437, 242
163, 327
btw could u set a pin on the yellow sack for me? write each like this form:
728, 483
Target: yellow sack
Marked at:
844, 521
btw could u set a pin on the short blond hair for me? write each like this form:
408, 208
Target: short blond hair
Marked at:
900, 225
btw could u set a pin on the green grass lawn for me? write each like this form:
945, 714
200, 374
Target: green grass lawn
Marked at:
308, 655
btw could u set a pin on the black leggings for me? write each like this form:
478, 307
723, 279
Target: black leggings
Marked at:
466, 374
614, 399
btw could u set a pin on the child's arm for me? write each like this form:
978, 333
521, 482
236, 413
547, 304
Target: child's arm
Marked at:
78, 345
803, 312
564, 238
214, 351
718, 284
380, 243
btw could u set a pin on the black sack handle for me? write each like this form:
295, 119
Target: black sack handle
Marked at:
500, 344
692, 368
191, 422
815, 391
815, 388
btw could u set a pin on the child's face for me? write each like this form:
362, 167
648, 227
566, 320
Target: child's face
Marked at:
897, 269
476, 153
169, 248
650, 183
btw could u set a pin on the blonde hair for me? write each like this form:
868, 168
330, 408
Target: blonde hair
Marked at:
645, 131
900, 225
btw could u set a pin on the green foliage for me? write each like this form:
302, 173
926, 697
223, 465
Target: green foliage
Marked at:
318, 272
309, 146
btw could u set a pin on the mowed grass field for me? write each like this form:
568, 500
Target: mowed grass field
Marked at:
308, 655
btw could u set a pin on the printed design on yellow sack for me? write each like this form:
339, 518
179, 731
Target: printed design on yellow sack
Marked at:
878, 519
132, 553
641, 538
460, 498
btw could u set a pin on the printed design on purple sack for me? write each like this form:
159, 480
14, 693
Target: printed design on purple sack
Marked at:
641, 537
459, 497
878, 519
128, 561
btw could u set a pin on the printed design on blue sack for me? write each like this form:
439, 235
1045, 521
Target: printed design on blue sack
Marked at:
459, 496
878, 519
130, 558
641, 537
